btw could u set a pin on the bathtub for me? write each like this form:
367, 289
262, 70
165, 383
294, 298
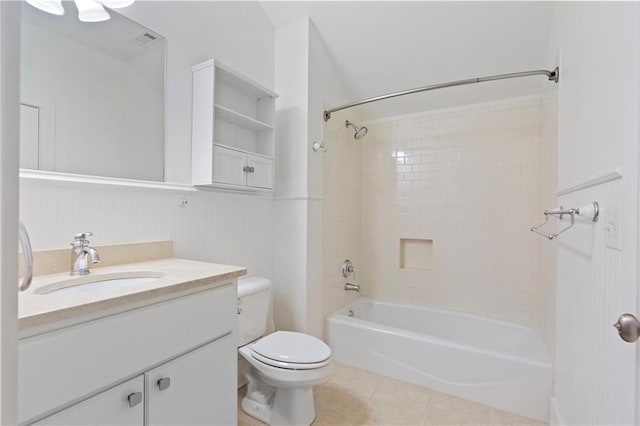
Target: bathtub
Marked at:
495, 363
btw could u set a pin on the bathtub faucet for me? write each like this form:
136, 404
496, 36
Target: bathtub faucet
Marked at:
351, 287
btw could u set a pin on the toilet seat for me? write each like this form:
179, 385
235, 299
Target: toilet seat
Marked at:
291, 350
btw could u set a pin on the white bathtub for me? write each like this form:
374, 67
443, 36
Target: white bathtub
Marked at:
495, 363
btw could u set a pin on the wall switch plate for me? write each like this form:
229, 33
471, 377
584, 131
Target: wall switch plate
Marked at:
612, 225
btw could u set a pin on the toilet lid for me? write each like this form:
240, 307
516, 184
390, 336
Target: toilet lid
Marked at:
287, 347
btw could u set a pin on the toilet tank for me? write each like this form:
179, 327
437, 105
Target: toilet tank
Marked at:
254, 303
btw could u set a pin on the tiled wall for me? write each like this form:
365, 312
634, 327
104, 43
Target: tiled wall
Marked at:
467, 179
341, 213
548, 187
217, 227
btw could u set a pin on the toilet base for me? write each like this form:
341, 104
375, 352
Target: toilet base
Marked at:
278, 406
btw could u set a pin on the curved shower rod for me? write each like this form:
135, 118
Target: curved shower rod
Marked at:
551, 75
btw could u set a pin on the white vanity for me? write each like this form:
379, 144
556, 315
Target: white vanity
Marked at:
159, 352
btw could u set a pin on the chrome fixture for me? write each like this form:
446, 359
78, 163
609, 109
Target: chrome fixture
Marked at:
27, 253
352, 287
590, 211
88, 10
80, 250
551, 75
348, 269
628, 327
318, 146
360, 132
350, 312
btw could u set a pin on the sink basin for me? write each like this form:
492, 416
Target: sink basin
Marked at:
92, 283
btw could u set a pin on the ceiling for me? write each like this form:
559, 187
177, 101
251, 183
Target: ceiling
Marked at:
382, 47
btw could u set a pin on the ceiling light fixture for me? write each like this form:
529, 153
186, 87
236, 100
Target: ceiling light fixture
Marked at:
50, 6
88, 10
91, 11
116, 4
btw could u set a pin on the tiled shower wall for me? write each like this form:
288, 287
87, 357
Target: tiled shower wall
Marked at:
341, 213
463, 185
548, 200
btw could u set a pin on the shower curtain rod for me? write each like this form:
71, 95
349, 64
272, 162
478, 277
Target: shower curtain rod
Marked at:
551, 75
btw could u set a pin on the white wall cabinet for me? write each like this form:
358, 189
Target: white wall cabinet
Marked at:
85, 373
234, 167
233, 137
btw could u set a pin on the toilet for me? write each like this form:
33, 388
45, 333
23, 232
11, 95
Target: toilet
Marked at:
283, 366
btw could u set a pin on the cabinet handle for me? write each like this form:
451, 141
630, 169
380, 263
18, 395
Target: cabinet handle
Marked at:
248, 169
164, 383
134, 399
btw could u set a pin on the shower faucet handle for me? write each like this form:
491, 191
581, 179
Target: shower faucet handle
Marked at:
348, 269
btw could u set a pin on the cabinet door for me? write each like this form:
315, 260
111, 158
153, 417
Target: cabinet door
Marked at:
262, 172
120, 405
228, 166
198, 388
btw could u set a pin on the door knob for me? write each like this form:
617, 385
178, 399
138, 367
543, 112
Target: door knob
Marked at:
628, 327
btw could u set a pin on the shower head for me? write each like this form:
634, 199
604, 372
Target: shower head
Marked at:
360, 132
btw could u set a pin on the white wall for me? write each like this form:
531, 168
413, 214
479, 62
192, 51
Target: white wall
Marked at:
224, 228
598, 131
101, 106
9, 134
291, 221
217, 227
238, 34
467, 179
306, 82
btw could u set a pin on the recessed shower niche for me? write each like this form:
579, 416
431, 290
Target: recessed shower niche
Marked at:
416, 253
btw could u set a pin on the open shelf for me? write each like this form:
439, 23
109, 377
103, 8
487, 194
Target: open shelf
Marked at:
234, 117
233, 109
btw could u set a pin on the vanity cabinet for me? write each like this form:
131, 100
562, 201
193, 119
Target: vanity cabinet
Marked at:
186, 390
178, 354
232, 141
120, 405
178, 393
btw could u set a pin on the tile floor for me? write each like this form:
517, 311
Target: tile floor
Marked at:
357, 397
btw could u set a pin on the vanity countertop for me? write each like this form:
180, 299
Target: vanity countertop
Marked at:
179, 277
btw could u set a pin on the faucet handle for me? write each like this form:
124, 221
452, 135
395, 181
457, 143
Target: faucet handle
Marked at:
82, 237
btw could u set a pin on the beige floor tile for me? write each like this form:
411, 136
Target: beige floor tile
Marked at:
498, 417
340, 396
330, 417
345, 371
405, 390
357, 397
361, 382
246, 420
391, 409
448, 410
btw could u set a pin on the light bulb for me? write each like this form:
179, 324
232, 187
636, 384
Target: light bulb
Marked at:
91, 11
50, 6
116, 4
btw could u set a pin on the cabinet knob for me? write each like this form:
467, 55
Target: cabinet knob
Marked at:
164, 383
134, 399
248, 169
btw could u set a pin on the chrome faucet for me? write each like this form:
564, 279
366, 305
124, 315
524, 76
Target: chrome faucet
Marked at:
351, 287
80, 250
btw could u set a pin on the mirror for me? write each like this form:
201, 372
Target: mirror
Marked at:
92, 96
